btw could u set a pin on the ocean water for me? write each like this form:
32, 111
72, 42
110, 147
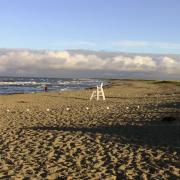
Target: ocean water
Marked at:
13, 85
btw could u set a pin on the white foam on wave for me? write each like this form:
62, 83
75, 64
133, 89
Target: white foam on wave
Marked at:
76, 82
22, 83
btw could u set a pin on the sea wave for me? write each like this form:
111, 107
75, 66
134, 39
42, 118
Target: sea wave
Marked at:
23, 83
10, 85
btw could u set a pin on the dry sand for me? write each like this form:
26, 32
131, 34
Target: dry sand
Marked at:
120, 138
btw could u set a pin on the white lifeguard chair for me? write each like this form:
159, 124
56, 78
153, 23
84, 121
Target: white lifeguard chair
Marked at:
98, 93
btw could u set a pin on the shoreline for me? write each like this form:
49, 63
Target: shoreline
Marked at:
108, 83
16, 85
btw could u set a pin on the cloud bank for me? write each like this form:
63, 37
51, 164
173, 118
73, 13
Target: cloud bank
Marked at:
28, 62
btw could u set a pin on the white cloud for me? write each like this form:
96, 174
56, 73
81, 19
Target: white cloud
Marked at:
73, 45
161, 45
170, 65
27, 60
129, 43
173, 46
136, 63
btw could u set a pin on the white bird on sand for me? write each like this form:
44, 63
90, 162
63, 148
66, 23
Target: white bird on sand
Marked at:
67, 109
47, 109
107, 108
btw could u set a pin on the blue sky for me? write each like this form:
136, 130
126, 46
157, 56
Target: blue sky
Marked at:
151, 26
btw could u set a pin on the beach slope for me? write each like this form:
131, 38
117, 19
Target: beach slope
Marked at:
134, 134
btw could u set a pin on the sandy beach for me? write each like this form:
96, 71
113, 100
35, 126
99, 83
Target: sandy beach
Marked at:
67, 136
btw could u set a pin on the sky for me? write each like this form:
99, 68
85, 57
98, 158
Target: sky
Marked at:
37, 38
141, 26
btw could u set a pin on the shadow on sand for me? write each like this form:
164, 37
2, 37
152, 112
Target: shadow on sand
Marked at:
161, 134
67, 97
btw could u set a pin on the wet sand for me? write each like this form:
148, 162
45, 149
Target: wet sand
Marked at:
66, 136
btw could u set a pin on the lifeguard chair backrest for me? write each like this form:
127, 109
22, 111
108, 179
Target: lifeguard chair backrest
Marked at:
100, 87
